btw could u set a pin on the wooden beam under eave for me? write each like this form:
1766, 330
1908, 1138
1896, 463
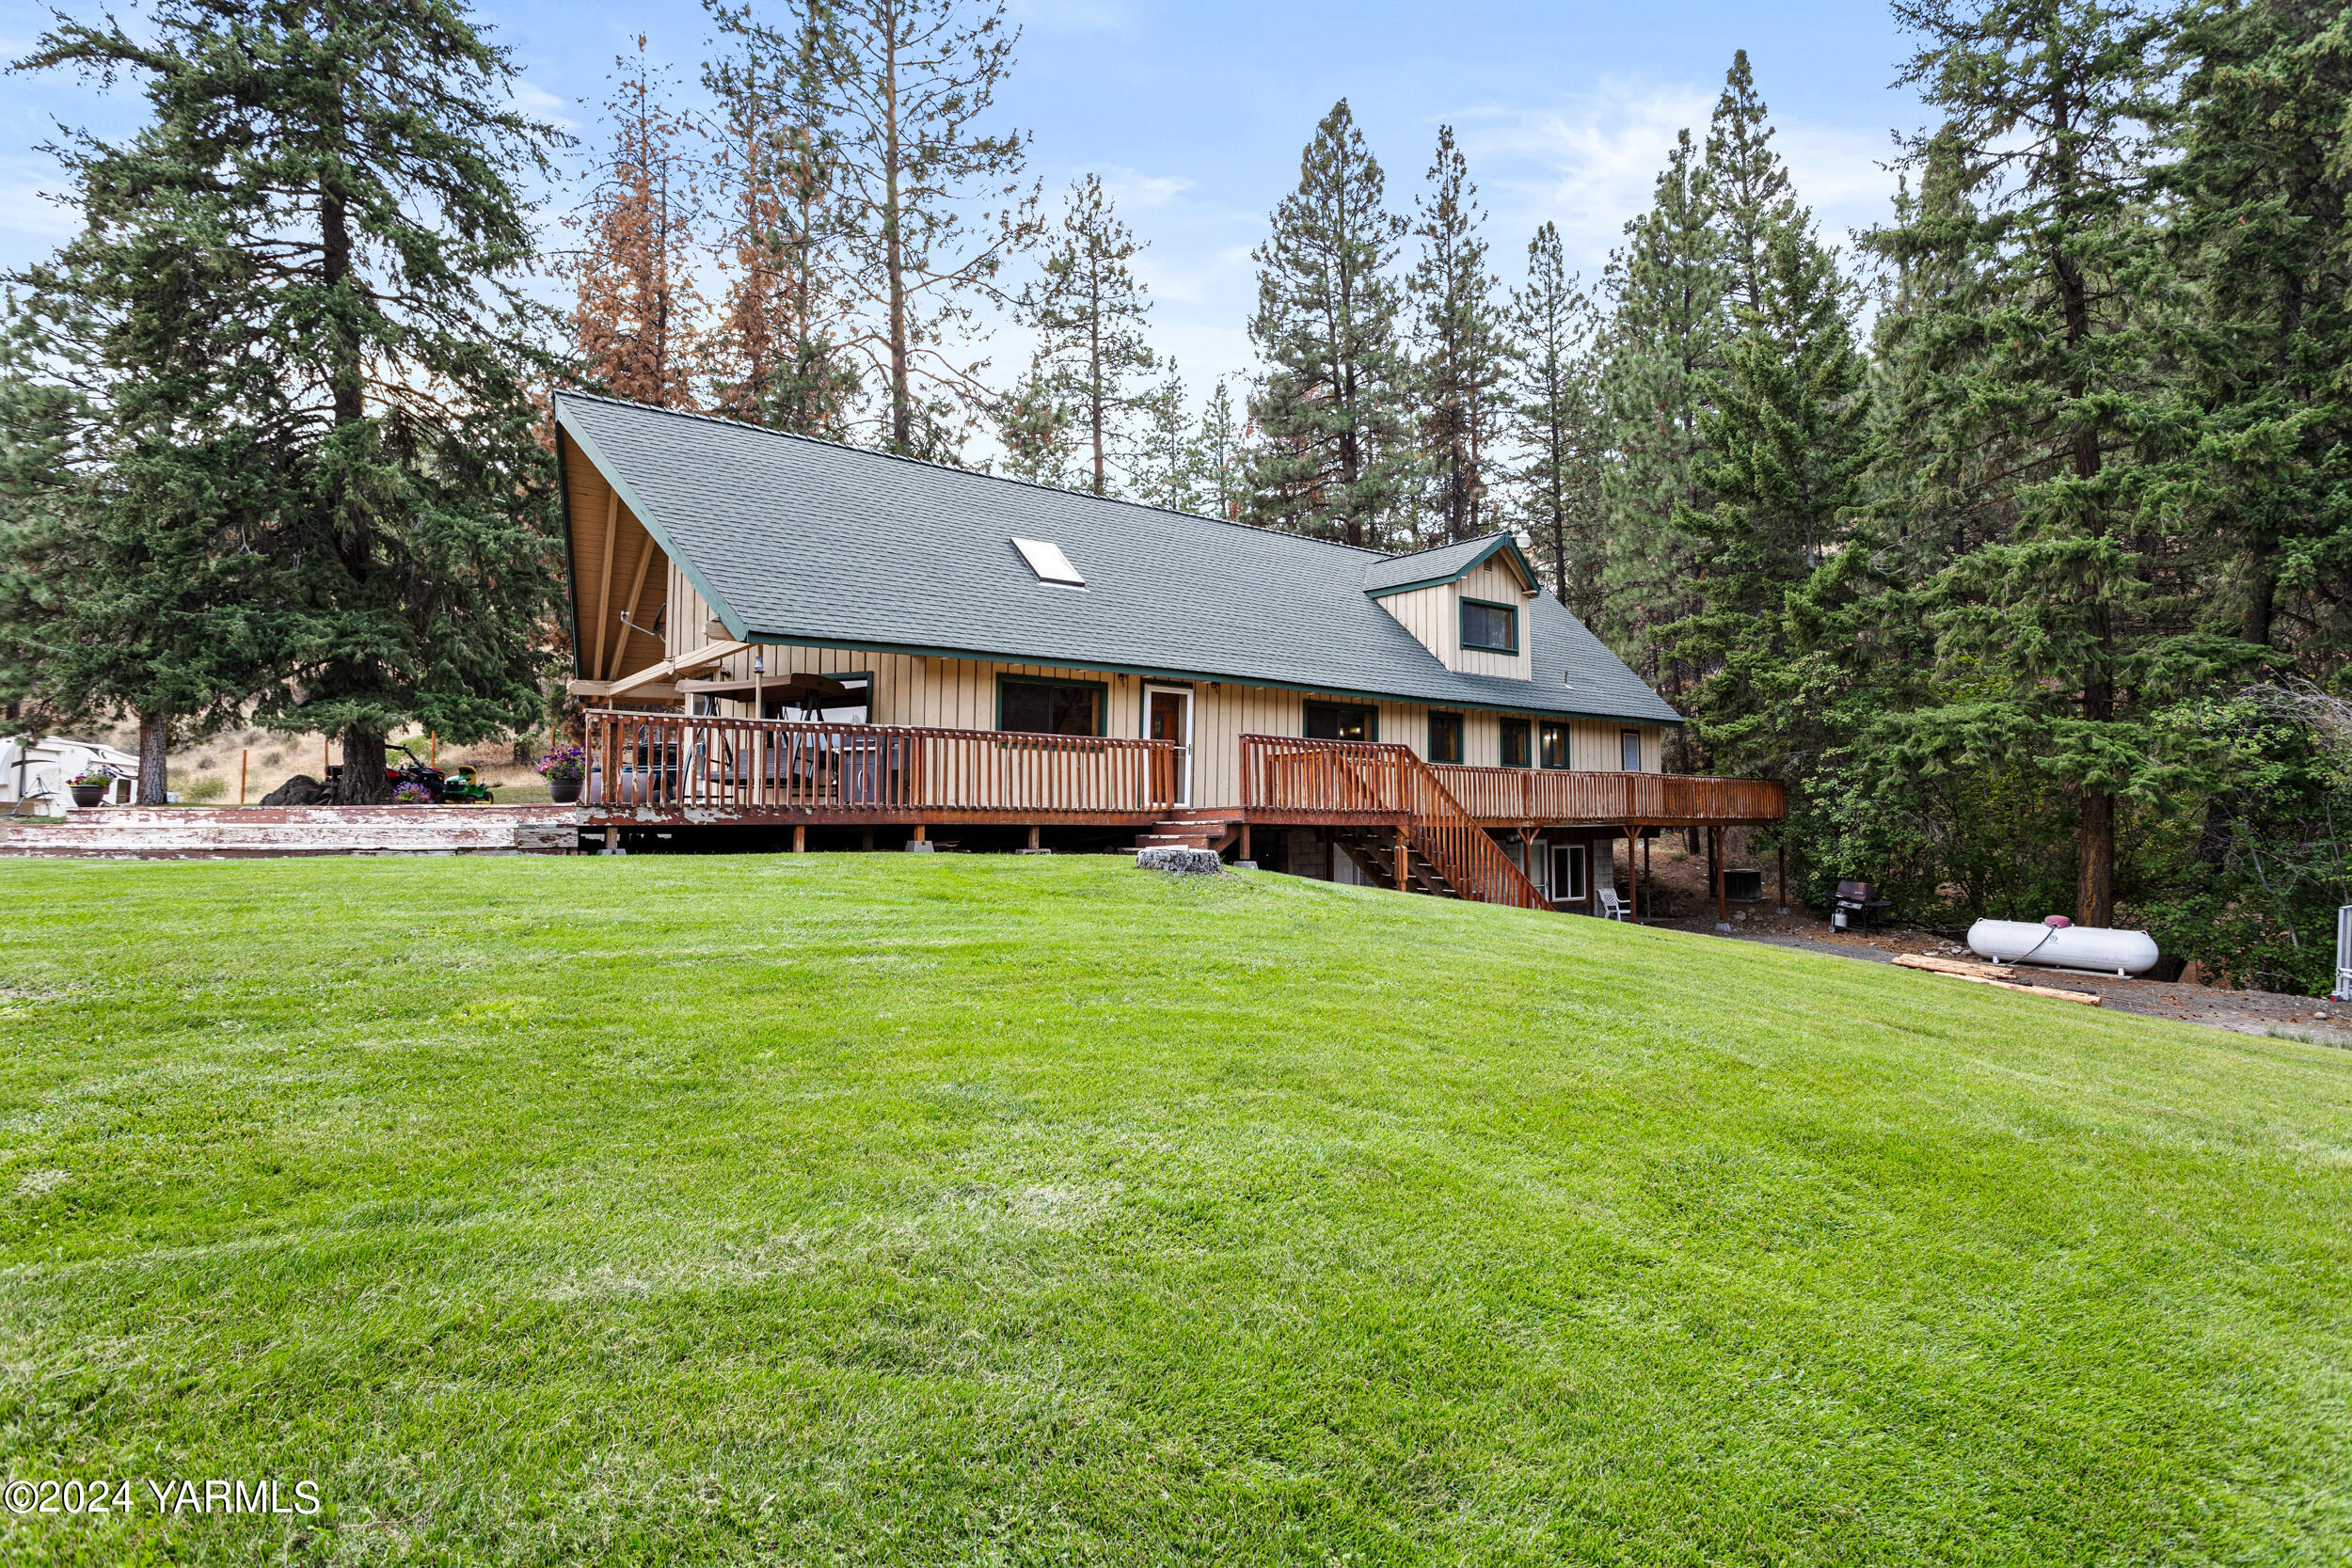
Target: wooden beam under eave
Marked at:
636, 592
669, 668
604, 572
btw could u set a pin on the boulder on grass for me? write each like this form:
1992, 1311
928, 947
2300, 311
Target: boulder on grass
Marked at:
1180, 863
300, 790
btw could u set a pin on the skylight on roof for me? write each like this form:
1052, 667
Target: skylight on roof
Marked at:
1048, 562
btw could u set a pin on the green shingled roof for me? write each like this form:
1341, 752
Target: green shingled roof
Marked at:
794, 540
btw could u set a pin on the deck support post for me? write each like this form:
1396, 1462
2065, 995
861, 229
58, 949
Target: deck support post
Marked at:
1715, 870
866, 841
921, 833
1404, 861
1632, 872
1644, 843
799, 838
1245, 841
1784, 878
612, 841
1033, 836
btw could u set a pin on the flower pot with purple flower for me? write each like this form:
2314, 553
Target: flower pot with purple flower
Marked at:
565, 769
89, 786
412, 794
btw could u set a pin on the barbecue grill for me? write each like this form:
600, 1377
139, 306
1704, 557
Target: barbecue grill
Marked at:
1855, 906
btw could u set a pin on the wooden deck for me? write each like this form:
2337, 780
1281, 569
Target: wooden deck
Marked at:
1331, 783
661, 768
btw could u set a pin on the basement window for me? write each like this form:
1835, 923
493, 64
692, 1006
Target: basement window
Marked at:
1048, 562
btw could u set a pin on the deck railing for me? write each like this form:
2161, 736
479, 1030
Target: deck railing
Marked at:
1653, 799
673, 762
1325, 779
1351, 779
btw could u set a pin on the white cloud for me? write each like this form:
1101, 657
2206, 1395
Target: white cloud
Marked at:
1590, 163
539, 104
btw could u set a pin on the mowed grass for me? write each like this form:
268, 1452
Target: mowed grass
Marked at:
953, 1210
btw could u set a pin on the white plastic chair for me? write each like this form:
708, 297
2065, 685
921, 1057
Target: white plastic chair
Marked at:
1611, 908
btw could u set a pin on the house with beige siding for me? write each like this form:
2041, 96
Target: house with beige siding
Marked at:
781, 639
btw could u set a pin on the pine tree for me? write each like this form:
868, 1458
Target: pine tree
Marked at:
2048, 633
1668, 328
1464, 350
776, 353
1039, 432
636, 308
2260, 179
1219, 458
1336, 453
1088, 309
136, 503
1558, 424
1753, 203
384, 251
1786, 454
1161, 461
915, 82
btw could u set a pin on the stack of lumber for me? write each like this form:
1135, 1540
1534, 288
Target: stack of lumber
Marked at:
1991, 974
213, 833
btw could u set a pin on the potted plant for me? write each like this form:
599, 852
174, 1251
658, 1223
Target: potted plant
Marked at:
411, 793
89, 786
565, 769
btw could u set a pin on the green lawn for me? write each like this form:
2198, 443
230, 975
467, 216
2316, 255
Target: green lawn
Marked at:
949, 1209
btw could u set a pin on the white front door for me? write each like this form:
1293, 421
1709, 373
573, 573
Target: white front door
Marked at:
1167, 716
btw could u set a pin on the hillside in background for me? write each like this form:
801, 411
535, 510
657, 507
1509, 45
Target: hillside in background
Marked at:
969, 1209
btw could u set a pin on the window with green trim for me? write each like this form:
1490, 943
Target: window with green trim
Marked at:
1494, 628
1445, 737
1337, 722
1514, 743
1050, 706
1555, 745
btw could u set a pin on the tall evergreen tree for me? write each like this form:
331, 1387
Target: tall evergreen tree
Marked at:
1336, 450
1160, 460
135, 502
1220, 458
2260, 179
362, 161
776, 353
1786, 453
1668, 328
1754, 201
2052, 634
930, 202
1558, 421
1088, 309
1463, 348
1039, 432
636, 312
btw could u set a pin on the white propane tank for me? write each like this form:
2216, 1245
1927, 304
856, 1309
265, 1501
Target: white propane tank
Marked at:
2091, 947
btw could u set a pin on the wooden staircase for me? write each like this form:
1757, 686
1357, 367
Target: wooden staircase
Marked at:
1373, 795
1190, 830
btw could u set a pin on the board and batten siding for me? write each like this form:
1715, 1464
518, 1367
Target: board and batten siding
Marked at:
1434, 616
940, 692
1496, 584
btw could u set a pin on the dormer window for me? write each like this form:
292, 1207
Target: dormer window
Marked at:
1494, 628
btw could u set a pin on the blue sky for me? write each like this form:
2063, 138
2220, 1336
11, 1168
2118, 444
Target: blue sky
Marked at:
1196, 114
